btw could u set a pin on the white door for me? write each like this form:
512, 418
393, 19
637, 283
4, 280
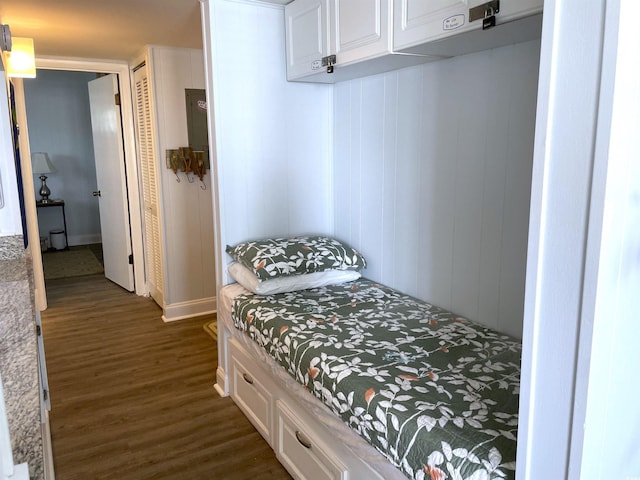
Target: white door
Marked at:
110, 172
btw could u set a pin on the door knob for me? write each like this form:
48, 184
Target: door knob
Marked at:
97, 194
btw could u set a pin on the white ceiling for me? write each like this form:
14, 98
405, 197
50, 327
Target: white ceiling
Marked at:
104, 29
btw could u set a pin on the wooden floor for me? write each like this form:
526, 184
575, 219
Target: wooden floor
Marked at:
133, 398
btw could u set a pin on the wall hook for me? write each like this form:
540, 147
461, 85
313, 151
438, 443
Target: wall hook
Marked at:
173, 161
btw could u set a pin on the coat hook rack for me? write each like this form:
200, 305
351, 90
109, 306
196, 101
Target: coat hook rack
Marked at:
191, 162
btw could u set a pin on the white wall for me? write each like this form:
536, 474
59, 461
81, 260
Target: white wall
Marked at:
612, 417
432, 175
579, 416
60, 125
272, 137
187, 208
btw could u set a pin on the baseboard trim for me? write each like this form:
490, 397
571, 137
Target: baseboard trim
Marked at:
183, 310
221, 383
84, 239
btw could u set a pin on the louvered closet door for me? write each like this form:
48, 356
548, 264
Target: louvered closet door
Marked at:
148, 170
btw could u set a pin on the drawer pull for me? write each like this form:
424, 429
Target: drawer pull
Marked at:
247, 378
303, 441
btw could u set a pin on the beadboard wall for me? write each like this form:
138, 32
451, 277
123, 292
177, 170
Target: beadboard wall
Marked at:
273, 137
432, 178
426, 170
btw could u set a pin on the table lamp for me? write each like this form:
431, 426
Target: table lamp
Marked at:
41, 164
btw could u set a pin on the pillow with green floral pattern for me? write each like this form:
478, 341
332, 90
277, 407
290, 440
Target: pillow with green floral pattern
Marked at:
276, 257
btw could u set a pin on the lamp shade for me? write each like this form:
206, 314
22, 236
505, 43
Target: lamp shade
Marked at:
40, 163
21, 60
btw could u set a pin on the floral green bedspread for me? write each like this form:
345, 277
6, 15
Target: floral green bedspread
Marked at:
436, 394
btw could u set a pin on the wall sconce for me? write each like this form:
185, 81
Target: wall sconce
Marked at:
19, 54
21, 61
41, 164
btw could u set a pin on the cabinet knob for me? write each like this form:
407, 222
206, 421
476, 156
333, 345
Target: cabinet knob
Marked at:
97, 194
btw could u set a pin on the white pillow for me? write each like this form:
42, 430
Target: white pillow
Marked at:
289, 283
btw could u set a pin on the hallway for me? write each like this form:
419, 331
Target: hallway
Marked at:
133, 398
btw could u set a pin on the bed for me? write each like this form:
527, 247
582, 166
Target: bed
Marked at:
409, 389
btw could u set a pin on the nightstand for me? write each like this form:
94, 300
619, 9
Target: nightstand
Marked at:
57, 203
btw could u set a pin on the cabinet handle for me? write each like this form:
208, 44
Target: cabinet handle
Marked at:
303, 441
329, 62
247, 378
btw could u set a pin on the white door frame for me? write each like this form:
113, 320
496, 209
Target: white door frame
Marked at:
120, 68
33, 232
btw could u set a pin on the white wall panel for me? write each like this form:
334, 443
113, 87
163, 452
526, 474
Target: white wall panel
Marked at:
407, 209
372, 149
342, 165
439, 139
439, 171
389, 132
354, 166
273, 138
518, 180
187, 208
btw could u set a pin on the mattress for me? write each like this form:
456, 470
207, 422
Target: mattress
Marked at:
434, 393
349, 440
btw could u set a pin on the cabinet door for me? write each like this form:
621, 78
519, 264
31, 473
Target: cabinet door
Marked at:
250, 390
303, 455
306, 36
417, 21
360, 29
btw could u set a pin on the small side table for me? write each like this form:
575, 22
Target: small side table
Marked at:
56, 203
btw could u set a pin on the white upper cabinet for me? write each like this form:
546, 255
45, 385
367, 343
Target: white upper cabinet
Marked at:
334, 40
341, 32
421, 27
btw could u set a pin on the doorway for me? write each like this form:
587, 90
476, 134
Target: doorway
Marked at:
128, 141
62, 153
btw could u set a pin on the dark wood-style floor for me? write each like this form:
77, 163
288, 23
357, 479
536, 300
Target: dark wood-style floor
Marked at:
133, 398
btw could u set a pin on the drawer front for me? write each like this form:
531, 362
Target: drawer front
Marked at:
301, 455
251, 394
